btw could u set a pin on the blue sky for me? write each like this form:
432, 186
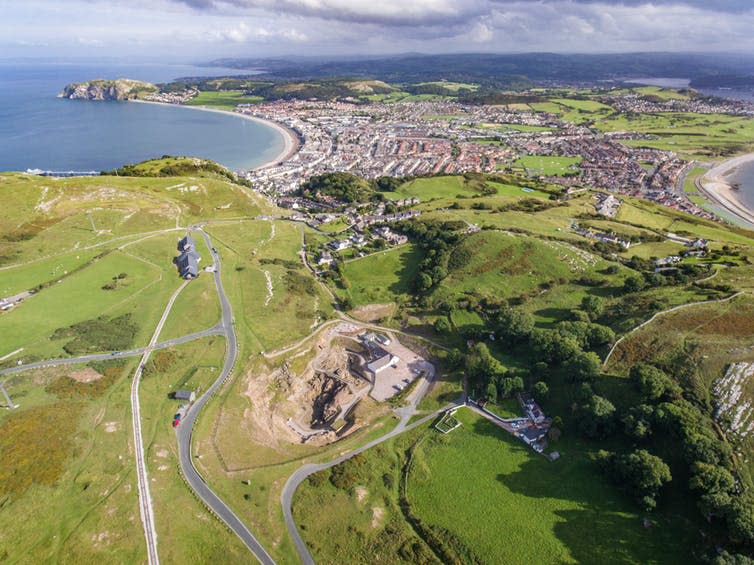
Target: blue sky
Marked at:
206, 29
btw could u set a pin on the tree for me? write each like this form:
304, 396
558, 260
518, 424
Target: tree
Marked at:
637, 424
514, 325
592, 305
599, 335
455, 358
481, 367
442, 326
585, 366
540, 390
596, 418
346, 303
510, 385
633, 283
741, 519
491, 392
639, 472
652, 382
715, 483
424, 282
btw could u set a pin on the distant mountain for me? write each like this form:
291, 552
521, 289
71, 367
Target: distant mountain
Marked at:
500, 70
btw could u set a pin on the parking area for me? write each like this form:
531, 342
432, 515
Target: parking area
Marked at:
396, 377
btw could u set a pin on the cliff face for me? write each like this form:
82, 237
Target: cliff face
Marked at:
119, 89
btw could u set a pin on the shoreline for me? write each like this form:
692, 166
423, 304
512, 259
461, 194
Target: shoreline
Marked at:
715, 186
291, 141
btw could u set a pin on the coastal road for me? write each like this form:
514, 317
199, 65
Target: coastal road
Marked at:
185, 430
142, 479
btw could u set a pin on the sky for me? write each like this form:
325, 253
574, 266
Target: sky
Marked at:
207, 29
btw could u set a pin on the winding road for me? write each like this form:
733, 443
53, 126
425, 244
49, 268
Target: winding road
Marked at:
286, 497
185, 430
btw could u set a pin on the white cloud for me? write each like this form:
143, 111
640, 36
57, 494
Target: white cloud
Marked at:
228, 27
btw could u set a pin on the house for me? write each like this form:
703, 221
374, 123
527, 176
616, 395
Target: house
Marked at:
698, 243
325, 258
358, 239
383, 339
669, 260
370, 338
188, 264
340, 244
189, 395
186, 244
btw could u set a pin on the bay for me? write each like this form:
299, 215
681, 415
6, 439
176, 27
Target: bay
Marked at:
743, 176
40, 131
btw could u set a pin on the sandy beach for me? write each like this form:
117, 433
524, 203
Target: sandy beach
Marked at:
716, 186
290, 138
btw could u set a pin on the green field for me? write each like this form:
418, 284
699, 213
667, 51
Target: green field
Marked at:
381, 277
81, 297
223, 99
451, 86
694, 135
491, 498
269, 319
548, 165
68, 481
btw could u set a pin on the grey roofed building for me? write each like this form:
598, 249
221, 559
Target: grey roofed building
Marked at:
189, 395
381, 363
188, 264
186, 244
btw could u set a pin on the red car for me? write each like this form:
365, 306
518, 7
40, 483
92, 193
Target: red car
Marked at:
176, 422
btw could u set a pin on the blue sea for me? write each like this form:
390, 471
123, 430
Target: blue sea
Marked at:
40, 131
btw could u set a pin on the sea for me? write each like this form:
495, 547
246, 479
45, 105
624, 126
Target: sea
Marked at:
40, 131
743, 175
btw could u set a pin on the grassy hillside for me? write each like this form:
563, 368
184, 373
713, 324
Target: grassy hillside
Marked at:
487, 496
97, 253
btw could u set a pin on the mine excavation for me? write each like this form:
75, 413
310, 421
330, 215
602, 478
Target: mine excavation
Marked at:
331, 386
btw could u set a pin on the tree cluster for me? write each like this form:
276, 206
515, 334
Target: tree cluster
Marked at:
638, 472
436, 241
487, 376
664, 410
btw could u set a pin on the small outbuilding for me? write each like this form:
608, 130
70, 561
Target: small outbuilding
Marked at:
188, 395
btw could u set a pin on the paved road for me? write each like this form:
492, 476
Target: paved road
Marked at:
217, 330
184, 431
286, 497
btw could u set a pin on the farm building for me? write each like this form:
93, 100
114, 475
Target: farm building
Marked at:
189, 395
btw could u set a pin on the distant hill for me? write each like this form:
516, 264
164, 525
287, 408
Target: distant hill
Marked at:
501, 70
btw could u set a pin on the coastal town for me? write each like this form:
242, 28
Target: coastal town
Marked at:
432, 137
443, 136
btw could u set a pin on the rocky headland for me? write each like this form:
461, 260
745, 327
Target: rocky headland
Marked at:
100, 89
